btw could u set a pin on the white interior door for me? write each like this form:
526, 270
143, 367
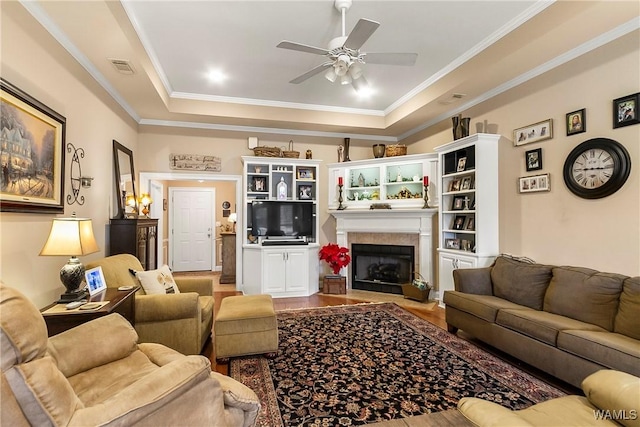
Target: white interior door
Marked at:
192, 228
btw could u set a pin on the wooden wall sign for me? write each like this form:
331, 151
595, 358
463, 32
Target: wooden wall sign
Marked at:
194, 162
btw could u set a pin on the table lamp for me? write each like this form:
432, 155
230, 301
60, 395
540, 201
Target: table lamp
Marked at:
233, 218
71, 237
145, 201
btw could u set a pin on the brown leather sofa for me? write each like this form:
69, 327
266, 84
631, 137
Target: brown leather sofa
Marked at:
97, 375
611, 398
567, 321
181, 321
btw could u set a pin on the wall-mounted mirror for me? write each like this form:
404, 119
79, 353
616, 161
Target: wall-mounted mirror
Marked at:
126, 196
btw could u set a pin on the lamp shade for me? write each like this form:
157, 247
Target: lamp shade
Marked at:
233, 217
70, 237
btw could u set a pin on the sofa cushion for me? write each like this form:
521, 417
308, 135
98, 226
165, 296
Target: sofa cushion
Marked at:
614, 391
483, 306
540, 325
627, 322
584, 294
520, 282
604, 348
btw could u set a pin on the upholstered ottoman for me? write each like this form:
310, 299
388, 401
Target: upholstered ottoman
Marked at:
244, 325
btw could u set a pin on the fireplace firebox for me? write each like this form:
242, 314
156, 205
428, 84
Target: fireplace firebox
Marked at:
381, 268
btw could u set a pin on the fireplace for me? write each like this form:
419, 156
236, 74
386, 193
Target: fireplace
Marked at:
381, 268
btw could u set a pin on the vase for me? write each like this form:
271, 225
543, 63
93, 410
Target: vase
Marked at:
346, 149
464, 127
456, 126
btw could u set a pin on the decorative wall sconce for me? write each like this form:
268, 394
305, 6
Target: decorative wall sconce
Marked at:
85, 181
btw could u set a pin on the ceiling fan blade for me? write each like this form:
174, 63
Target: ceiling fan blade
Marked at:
320, 68
390, 58
302, 47
361, 33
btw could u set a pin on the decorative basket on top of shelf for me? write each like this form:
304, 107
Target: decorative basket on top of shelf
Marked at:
417, 290
267, 152
396, 150
290, 153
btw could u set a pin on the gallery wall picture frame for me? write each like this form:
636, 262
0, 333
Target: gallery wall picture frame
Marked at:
33, 165
625, 110
534, 183
533, 159
576, 121
536, 132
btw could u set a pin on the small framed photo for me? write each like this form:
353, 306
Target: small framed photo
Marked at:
458, 222
95, 280
535, 183
466, 183
452, 243
625, 110
576, 122
462, 164
454, 185
471, 224
305, 192
259, 183
466, 245
458, 203
533, 159
533, 133
305, 173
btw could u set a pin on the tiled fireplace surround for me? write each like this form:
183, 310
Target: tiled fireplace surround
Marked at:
410, 227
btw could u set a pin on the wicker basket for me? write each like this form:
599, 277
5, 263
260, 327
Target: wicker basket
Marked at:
396, 150
267, 151
290, 153
418, 289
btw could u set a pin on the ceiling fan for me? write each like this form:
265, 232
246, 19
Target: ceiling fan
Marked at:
344, 57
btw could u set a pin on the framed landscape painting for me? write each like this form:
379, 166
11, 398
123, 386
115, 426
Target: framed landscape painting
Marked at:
31, 154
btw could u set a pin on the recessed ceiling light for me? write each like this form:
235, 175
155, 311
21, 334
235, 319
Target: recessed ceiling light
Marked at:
216, 76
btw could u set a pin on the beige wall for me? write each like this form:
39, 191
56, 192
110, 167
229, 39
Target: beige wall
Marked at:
38, 65
558, 227
554, 227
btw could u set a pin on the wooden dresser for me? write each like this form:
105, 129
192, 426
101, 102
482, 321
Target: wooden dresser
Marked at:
138, 237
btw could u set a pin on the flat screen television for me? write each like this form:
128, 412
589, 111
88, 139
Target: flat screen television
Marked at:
282, 218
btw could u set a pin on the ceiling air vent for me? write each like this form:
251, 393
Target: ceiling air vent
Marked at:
123, 66
453, 98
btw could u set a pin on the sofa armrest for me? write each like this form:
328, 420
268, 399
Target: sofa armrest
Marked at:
238, 395
152, 308
199, 285
473, 280
484, 413
614, 391
75, 349
148, 395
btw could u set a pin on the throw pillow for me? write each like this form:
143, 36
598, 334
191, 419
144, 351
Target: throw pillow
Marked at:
158, 281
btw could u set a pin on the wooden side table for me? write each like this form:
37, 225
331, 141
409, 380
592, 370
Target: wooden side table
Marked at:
334, 285
122, 302
228, 258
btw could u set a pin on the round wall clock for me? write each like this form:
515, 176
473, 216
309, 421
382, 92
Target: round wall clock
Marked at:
597, 168
226, 205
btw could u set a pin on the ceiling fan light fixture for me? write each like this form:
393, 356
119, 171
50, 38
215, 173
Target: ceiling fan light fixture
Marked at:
346, 79
331, 75
362, 87
355, 71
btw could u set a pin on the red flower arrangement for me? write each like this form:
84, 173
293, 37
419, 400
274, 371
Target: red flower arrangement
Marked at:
336, 256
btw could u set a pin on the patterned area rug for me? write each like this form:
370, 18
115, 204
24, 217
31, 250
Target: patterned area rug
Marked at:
360, 364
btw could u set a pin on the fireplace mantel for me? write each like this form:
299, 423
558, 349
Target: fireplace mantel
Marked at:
410, 221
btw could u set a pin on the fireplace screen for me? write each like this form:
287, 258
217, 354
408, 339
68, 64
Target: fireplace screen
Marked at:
382, 268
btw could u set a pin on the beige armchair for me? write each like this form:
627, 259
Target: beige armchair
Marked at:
180, 321
611, 398
97, 375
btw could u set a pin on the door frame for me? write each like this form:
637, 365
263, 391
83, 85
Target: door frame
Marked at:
214, 250
145, 185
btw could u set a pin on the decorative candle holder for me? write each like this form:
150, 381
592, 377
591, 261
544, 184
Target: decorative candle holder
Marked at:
426, 198
340, 206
